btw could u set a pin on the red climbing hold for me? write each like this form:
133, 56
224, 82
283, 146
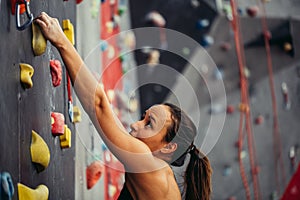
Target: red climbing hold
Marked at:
259, 120
252, 11
56, 72
93, 173
230, 109
57, 124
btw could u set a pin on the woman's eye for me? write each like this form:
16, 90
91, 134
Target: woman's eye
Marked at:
148, 124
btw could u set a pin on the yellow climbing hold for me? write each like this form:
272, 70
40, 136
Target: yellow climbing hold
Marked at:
26, 193
26, 74
40, 153
39, 43
69, 30
65, 139
76, 114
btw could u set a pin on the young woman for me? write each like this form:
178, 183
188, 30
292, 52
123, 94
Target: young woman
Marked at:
162, 138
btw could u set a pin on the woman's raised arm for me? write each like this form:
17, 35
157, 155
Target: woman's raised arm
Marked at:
92, 95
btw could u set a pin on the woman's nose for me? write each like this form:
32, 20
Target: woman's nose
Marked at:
133, 126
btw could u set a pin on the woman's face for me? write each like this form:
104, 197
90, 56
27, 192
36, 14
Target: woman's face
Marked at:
153, 127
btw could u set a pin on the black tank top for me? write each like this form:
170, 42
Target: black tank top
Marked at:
125, 194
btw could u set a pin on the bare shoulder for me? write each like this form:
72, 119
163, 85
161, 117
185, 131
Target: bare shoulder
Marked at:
158, 184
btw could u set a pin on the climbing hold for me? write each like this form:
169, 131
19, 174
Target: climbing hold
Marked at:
216, 109
112, 190
39, 43
110, 95
252, 11
153, 58
218, 74
227, 170
78, 1
76, 114
103, 45
93, 173
57, 127
39, 150
56, 72
26, 193
195, 3
285, 94
259, 120
68, 29
230, 109
65, 139
287, 47
232, 198
6, 186
111, 52
202, 23
13, 7
129, 40
243, 154
186, 51
156, 19
121, 10
244, 107
26, 74
207, 41
225, 46
247, 72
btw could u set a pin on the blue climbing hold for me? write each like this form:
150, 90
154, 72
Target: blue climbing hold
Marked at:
6, 186
202, 23
103, 45
207, 41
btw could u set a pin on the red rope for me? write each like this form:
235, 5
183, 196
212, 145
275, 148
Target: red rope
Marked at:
277, 146
246, 111
69, 88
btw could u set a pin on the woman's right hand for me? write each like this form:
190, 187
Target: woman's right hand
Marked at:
51, 29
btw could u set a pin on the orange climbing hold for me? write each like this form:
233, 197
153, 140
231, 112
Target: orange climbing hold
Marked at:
93, 173
13, 7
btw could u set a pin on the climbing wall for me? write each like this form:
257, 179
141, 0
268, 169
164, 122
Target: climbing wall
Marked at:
25, 109
275, 153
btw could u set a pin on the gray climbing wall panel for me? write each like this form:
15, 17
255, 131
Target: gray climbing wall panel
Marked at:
23, 110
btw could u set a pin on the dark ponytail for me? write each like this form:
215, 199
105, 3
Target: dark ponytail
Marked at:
197, 177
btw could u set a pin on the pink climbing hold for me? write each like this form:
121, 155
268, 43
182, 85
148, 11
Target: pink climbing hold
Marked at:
56, 72
57, 125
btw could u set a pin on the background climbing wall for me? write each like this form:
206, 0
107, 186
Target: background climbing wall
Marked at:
23, 110
282, 18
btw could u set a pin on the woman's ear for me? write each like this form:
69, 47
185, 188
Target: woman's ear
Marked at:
169, 148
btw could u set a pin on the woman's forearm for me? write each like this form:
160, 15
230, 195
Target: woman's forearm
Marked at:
85, 84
